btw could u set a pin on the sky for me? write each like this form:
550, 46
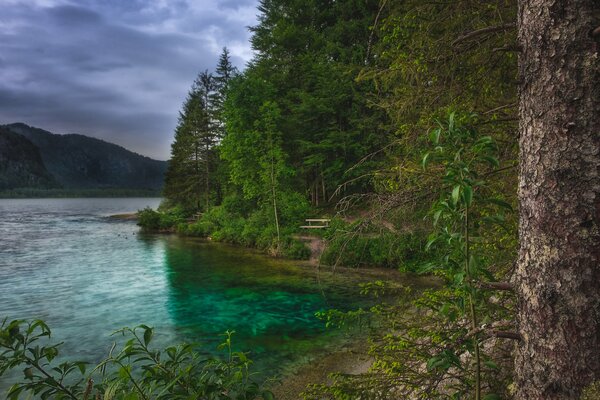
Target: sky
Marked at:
118, 70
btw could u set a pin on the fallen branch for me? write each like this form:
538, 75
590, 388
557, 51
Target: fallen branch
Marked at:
496, 286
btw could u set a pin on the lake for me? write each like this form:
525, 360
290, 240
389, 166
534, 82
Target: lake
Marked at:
86, 275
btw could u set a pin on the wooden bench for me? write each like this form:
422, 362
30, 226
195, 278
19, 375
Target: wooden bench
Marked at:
194, 218
324, 223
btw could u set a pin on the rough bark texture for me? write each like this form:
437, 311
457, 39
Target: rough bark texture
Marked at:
558, 273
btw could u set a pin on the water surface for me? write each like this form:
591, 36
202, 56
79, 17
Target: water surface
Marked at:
86, 275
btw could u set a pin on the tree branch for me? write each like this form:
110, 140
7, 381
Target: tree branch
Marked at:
496, 286
483, 31
506, 335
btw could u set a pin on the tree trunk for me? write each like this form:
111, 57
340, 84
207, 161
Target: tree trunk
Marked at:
558, 272
275, 201
207, 149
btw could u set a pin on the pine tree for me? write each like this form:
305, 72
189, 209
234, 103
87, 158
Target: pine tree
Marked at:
189, 173
558, 271
224, 72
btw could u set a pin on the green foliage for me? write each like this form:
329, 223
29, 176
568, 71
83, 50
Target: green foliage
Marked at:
133, 371
231, 222
160, 221
442, 348
295, 249
399, 251
351, 246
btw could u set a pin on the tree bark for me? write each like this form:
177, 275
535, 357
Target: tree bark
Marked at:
558, 273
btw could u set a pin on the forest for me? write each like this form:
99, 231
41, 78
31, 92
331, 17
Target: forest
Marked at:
457, 140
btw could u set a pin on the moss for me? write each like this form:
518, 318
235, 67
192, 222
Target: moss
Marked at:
592, 392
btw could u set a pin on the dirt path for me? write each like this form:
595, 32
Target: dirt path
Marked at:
315, 244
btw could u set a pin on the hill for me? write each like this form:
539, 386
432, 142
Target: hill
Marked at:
78, 162
21, 164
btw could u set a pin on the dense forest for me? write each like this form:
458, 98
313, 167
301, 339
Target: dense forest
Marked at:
405, 122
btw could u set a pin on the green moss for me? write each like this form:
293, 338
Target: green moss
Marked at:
592, 392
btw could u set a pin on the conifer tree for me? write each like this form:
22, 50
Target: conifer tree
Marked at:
224, 72
188, 175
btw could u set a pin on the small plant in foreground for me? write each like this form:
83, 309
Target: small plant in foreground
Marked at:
134, 372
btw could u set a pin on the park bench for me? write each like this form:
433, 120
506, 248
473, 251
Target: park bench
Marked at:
322, 223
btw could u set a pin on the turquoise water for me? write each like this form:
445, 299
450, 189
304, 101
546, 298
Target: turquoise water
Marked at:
86, 275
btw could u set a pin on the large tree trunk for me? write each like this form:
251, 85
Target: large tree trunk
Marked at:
558, 272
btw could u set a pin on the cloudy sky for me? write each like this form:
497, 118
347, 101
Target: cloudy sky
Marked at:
113, 69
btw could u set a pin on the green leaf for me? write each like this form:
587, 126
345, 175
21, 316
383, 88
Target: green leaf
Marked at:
435, 136
468, 195
425, 160
473, 266
436, 217
493, 161
433, 363
147, 335
455, 194
111, 390
430, 242
14, 391
81, 365
50, 353
500, 203
484, 140
492, 365
459, 278
451, 121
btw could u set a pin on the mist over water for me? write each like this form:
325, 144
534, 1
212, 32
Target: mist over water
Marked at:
86, 275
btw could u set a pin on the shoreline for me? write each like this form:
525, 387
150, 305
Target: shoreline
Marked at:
125, 216
351, 358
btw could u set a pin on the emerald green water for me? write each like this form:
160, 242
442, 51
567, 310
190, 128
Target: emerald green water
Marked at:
270, 304
87, 275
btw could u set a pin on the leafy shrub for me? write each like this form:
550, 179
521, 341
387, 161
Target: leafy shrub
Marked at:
148, 219
134, 372
402, 251
155, 221
295, 249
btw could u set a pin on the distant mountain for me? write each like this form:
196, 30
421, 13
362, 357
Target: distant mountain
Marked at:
81, 162
21, 164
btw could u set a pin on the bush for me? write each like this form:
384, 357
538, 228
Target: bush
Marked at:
232, 222
295, 249
154, 221
135, 372
401, 251
148, 219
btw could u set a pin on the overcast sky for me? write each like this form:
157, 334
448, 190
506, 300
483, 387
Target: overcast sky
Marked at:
113, 69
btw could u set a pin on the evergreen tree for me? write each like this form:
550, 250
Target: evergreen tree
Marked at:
311, 52
224, 72
558, 271
188, 178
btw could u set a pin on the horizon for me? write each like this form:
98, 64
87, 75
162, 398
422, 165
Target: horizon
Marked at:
114, 71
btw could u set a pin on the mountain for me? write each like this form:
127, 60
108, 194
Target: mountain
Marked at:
80, 162
21, 164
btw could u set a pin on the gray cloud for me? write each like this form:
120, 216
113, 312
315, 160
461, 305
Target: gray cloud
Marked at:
113, 69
